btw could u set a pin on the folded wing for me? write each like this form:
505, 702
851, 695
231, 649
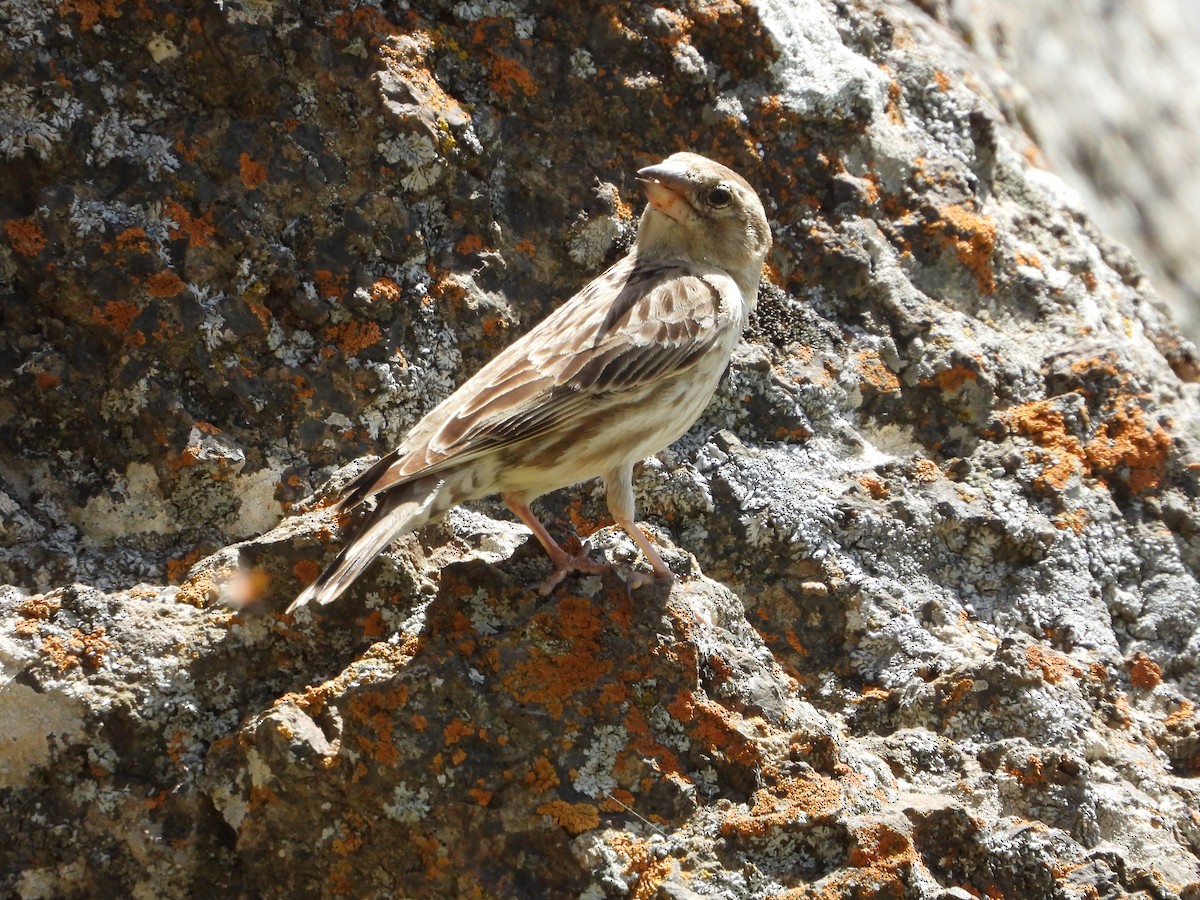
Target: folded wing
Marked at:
635, 324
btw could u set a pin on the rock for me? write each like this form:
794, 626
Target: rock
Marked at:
934, 627
1098, 87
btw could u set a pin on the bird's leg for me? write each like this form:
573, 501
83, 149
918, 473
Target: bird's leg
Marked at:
619, 484
564, 563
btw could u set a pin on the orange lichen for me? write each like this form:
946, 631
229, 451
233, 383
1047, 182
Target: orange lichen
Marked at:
47, 381
373, 712
374, 625
363, 20
973, 238
1127, 440
1045, 424
472, 243
26, 627
793, 641
116, 314
26, 236
78, 649
198, 591
792, 435
1076, 520
90, 11
1032, 774
456, 730
1181, 715
252, 173
1144, 672
620, 800
306, 571
405, 57
876, 374
508, 75
134, 240
433, 853
261, 795
581, 524
190, 151
645, 746
716, 727
197, 230
926, 471
351, 337
39, 606
640, 859
1124, 446
952, 380
541, 776
880, 844
35, 609
1054, 666
551, 678
187, 458
895, 111
260, 311
164, 284
957, 690
788, 801
384, 290
574, 817
880, 862
329, 285
178, 567
493, 325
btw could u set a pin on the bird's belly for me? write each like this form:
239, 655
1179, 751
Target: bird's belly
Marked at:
618, 432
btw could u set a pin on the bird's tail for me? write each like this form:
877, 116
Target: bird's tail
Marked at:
398, 510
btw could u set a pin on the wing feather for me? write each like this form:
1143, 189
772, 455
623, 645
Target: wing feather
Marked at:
639, 322
662, 319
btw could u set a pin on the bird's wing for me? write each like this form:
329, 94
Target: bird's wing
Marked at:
639, 322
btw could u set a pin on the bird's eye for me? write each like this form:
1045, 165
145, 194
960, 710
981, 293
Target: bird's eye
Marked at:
720, 196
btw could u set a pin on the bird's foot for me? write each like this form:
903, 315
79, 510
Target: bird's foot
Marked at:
638, 579
566, 565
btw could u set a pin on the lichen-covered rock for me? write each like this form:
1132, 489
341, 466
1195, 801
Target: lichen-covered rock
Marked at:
935, 631
1098, 85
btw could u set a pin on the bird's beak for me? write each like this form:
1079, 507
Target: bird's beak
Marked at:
666, 188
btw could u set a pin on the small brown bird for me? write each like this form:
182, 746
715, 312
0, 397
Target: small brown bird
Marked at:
612, 376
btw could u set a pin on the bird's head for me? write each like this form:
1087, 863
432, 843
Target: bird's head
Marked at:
704, 211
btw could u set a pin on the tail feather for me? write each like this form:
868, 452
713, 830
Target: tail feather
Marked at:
398, 510
367, 481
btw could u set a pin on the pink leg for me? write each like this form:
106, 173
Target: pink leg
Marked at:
564, 563
619, 484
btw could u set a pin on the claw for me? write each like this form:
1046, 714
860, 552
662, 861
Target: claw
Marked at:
637, 580
565, 566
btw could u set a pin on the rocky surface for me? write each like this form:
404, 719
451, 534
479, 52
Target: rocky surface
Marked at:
1098, 85
934, 634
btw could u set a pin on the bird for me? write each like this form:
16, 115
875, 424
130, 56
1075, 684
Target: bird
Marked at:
614, 375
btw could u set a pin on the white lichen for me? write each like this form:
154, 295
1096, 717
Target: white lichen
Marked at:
116, 137
212, 326
594, 778
408, 806
474, 10
31, 125
582, 64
